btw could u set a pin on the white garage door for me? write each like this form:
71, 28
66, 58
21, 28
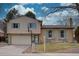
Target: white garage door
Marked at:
21, 39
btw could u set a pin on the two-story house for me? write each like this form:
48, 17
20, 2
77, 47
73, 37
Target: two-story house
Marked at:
24, 30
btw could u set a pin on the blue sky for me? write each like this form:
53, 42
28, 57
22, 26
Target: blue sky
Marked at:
38, 9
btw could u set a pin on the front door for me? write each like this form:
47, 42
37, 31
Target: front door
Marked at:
35, 39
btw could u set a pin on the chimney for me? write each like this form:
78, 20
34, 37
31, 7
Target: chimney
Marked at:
69, 22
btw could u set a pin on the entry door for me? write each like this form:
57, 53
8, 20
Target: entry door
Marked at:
35, 39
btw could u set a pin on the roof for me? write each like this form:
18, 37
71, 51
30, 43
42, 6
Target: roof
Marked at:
22, 16
56, 27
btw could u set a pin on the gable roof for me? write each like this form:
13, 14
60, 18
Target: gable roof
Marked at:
56, 27
21, 17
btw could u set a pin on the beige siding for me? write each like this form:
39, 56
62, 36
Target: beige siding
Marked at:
23, 36
9, 39
24, 21
56, 35
70, 35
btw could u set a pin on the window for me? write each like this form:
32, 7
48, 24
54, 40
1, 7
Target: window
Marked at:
32, 25
16, 25
49, 33
62, 33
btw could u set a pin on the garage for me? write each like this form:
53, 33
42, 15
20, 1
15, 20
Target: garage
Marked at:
21, 39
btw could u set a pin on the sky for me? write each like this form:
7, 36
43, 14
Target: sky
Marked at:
39, 9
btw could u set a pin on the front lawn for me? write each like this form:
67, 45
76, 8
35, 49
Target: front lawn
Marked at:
53, 47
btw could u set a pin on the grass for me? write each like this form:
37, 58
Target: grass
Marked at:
53, 47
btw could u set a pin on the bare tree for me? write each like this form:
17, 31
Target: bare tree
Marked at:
61, 8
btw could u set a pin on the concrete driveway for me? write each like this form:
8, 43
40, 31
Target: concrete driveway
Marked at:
13, 50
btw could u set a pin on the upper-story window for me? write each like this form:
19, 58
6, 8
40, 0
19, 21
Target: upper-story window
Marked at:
62, 33
32, 25
15, 25
49, 33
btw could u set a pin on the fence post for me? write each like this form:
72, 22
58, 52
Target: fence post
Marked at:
44, 44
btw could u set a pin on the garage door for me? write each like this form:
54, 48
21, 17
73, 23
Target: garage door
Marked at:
21, 39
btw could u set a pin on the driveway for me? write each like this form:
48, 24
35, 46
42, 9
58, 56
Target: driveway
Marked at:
14, 50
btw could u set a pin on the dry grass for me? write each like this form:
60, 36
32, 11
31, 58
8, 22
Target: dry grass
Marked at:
53, 47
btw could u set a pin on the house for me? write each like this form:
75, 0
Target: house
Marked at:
2, 37
25, 31
57, 33
2, 33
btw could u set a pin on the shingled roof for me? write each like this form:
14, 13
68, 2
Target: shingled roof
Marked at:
56, 27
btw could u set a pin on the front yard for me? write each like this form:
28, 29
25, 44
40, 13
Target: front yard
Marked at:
54, 47
50, 48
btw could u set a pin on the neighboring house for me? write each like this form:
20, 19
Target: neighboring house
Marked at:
24, 30
2, 37
2, 34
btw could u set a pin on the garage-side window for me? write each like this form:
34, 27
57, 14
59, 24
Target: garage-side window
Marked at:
15, 25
